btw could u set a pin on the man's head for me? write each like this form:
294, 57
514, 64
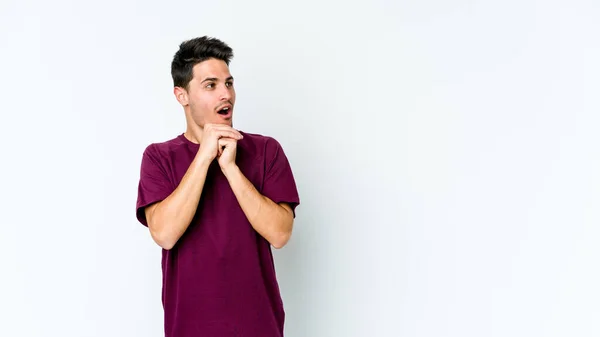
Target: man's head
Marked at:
203, 84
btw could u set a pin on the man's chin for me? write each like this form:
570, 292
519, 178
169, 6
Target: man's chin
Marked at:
224, 122
227, 121
221, 120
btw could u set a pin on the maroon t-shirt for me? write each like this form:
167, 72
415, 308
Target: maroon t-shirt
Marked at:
219, 278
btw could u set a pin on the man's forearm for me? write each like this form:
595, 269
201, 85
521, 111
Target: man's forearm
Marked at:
169, 219
269, 219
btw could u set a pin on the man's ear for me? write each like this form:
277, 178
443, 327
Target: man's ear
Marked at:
181, 95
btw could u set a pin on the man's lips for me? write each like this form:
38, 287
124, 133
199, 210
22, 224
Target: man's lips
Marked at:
225, 110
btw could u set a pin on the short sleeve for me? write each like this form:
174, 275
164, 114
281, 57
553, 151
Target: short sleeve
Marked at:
154, 184
279, 184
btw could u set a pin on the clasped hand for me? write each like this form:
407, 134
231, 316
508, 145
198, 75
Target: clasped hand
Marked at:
219, 141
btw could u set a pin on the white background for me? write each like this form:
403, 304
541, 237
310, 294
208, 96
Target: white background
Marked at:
446, 153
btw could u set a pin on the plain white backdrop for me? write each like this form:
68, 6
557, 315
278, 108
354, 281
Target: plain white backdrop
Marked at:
446, 154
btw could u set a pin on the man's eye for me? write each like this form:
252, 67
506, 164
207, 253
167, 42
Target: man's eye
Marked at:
230, 84
210, 85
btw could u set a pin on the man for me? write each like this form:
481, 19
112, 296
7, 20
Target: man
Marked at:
216, 199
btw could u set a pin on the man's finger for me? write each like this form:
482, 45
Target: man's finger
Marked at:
226, 141
229, 134
225, 128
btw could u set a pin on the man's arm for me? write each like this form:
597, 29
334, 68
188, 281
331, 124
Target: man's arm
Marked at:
169, 218
271, 220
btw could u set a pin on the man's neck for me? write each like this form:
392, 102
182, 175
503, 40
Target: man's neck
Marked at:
189, 135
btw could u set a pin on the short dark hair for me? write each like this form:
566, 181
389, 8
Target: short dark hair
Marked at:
194, 51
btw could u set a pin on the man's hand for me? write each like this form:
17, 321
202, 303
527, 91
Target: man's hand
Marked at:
211, 137
227, 151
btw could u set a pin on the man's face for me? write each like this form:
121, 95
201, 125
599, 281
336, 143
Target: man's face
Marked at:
210, 94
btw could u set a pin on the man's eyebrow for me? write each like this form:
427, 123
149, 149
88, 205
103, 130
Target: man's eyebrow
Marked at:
214, 79
209, 79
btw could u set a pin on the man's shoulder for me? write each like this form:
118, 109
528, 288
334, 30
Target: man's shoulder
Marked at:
164, 147
259, 140
261, 146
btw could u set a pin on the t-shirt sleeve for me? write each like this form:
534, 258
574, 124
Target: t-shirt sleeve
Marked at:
279, 184
154, 184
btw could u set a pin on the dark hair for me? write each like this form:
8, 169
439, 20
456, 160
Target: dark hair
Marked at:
194, 51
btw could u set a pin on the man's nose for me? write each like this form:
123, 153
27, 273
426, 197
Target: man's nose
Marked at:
225, 93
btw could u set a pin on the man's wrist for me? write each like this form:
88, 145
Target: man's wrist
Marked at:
202, 162
230, 170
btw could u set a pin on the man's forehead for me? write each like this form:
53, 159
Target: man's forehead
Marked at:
212, 68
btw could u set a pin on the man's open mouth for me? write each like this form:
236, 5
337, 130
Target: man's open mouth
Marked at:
224, 111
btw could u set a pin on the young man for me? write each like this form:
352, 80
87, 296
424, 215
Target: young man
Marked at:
216, 199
